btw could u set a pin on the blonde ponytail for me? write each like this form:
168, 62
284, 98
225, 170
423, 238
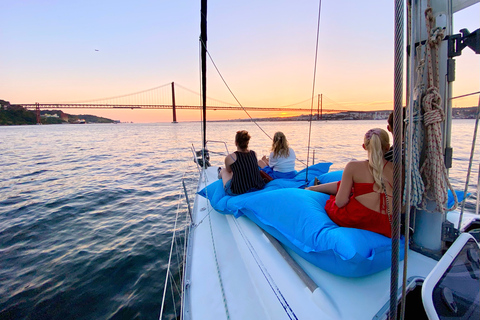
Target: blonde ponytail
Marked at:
376, 143
280, 145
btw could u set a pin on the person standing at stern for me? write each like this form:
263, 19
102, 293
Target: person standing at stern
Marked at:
241, 173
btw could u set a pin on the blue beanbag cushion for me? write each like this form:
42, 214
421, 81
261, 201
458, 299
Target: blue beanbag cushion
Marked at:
327, 177
459, 194
230, 205
297, 218
333, 176
279, 175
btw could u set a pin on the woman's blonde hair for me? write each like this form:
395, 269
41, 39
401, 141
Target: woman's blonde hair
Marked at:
376, 142
280, 145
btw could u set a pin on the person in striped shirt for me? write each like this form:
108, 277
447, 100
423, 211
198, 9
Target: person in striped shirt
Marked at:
241, 173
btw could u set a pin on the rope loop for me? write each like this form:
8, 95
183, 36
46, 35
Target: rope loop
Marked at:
432, 117
436, 37
432, 106
429, 14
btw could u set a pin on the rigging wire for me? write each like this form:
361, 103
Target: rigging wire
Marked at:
413, 90
311, 99
231, 92
313, 88
397, 153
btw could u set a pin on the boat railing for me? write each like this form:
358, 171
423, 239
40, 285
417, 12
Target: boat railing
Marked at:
195, 157
216, 141
175, 269
202, 157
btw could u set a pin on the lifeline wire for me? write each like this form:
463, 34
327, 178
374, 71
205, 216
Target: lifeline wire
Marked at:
170, 257
469, 165
313, 88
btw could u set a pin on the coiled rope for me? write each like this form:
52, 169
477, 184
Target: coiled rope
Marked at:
433, 169
417, 187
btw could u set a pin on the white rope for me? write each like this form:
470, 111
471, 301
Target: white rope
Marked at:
433, 169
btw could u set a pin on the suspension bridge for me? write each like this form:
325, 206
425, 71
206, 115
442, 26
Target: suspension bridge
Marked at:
167, 97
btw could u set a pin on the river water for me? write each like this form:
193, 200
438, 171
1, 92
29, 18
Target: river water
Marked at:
87, 212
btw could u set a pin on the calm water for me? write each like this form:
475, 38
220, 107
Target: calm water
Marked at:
87, 211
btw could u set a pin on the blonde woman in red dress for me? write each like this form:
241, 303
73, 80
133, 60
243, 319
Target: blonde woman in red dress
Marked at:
362, 199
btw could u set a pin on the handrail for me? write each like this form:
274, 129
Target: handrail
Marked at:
218, 142
188, 201
195, 157
309, 283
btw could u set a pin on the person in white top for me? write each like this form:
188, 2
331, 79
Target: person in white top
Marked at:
281, 162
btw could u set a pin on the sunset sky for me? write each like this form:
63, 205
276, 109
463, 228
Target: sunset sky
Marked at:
264, 49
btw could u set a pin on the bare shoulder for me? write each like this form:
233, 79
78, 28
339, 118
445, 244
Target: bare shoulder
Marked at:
231, 158
354, 165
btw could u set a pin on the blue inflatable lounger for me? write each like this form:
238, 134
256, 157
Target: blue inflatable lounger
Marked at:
297, 218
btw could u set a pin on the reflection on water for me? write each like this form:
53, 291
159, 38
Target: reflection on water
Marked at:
87, 212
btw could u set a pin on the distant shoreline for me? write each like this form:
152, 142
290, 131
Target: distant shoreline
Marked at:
457, 113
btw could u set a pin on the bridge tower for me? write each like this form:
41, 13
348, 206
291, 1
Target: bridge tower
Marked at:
37, 111
320, 107
173, 104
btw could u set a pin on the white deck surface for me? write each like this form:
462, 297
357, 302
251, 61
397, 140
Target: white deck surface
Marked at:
257, 283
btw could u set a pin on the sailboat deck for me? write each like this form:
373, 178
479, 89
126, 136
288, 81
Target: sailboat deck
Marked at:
235, 272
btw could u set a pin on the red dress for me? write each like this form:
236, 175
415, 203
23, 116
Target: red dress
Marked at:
356, 215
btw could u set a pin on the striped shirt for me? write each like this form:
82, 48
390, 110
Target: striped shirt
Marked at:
246, 175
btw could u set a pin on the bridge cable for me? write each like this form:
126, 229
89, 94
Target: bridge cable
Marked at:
121, 96
313, 88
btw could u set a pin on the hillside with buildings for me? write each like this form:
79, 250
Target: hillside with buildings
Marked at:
11, 114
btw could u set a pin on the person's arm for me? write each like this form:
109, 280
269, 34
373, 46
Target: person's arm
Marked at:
345, 189
229, 160
328, 188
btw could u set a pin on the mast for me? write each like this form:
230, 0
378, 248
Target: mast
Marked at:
203, 40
